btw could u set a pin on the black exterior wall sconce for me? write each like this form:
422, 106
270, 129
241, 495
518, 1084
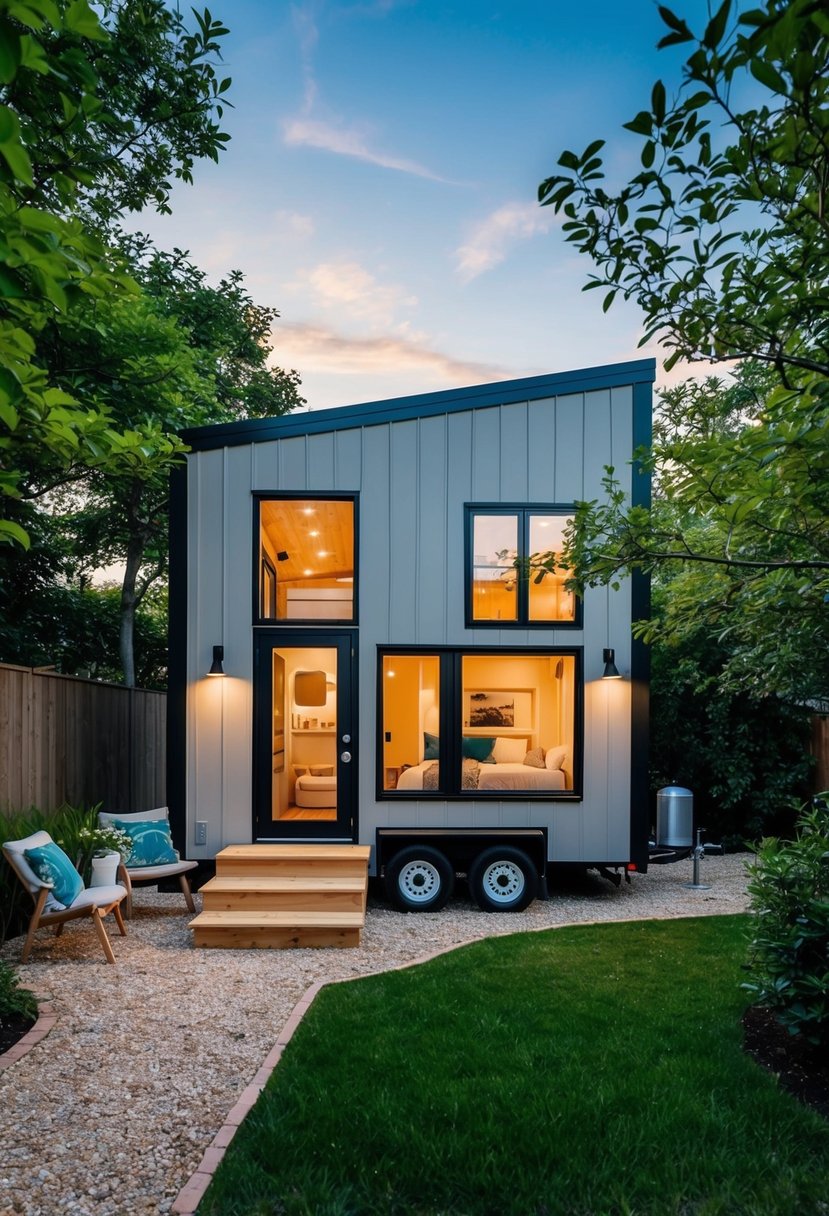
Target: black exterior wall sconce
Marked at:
611, 671
216, 668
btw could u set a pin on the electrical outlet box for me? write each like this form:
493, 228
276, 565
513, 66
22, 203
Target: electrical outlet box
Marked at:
201, 831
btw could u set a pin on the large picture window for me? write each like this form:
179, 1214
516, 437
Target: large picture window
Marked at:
514, 574
480, 724
305, 559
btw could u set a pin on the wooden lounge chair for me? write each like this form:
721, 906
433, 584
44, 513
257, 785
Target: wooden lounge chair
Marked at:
150, 873
96, 902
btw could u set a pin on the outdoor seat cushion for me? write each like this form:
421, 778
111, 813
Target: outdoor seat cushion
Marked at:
92, 897
148, 873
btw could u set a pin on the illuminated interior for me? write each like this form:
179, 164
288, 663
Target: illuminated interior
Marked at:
514, 723
306, 569
499, 543
304, 710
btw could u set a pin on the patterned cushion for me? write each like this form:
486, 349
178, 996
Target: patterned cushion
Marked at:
535, 757
152, 844
51, 864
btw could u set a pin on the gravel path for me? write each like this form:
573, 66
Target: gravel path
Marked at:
110, 1114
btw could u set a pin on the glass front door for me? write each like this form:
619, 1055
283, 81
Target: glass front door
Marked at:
305, 753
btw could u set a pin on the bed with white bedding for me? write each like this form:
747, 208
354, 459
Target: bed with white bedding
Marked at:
510, 776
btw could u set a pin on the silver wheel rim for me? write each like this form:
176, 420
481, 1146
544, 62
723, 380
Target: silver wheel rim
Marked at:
503, 882
419, 881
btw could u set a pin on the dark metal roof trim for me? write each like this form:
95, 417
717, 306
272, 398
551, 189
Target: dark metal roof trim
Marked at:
423, 405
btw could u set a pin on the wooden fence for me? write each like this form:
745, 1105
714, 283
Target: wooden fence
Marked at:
820, 751
64, 739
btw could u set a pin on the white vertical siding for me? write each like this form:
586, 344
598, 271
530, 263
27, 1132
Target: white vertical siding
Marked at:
413, 478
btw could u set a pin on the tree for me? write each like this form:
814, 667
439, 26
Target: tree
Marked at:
184, 354
94, 113
723, 241
108, 347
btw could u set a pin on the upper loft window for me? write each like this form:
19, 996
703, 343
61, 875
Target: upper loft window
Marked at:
305, 566
513, 570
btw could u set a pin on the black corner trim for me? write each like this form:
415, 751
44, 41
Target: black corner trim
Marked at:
177, 661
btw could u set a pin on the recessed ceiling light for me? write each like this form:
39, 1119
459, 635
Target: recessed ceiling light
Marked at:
314, 533
323, 553
307, 572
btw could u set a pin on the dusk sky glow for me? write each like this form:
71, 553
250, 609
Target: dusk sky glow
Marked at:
380, 185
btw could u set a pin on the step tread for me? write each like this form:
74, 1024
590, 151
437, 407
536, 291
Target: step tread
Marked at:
289, 919
234, 883
295, 852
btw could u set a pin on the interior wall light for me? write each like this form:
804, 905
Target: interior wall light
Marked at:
216, 668
611, 671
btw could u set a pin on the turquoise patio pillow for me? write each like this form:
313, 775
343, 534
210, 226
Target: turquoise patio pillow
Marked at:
152, 844
51, 864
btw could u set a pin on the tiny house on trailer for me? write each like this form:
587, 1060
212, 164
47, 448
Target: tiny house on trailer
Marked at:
398, 670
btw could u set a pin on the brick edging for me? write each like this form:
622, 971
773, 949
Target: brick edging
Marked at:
46, 1018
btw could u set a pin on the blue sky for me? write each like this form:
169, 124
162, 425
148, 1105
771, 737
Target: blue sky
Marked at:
379, 187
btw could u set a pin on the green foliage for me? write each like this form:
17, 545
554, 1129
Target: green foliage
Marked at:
51, 616
13, 998
722, 240
744, 757
65, 825
789, 955
107, 348
95, 111
591, 1069
722, 237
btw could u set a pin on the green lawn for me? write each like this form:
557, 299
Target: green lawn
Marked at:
590, 1071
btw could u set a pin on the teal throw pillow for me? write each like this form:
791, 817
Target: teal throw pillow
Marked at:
478, 748
431, 746
151, 843
51, 864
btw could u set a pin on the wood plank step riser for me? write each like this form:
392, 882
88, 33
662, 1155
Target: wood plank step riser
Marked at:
286, 868
275, 939
269, 901
286, 882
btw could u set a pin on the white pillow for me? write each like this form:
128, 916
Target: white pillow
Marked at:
555, 758
509, 751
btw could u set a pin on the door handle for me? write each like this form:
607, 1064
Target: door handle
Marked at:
345, 757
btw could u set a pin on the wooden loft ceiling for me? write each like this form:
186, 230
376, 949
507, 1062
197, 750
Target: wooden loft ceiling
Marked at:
317, 535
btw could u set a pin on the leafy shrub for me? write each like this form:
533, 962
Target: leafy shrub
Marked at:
745, 758
789, 953
13, 998
66, 826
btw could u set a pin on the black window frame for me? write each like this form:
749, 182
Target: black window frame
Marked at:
260, 557
523, 511
450, 745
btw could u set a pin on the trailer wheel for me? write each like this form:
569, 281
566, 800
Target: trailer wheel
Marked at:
503, 879
419, 879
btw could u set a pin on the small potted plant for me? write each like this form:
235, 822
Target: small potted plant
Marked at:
102, 850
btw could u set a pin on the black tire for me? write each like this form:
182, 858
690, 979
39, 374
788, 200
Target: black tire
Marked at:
419, 879
503, 879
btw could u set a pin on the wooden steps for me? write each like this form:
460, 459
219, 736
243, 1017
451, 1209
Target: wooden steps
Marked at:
277, 897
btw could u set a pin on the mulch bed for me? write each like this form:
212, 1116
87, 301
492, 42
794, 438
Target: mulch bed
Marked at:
798, 1066
13, 1026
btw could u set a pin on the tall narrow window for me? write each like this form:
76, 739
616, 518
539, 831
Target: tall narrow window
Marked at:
410, 718
306, 559
515, 574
